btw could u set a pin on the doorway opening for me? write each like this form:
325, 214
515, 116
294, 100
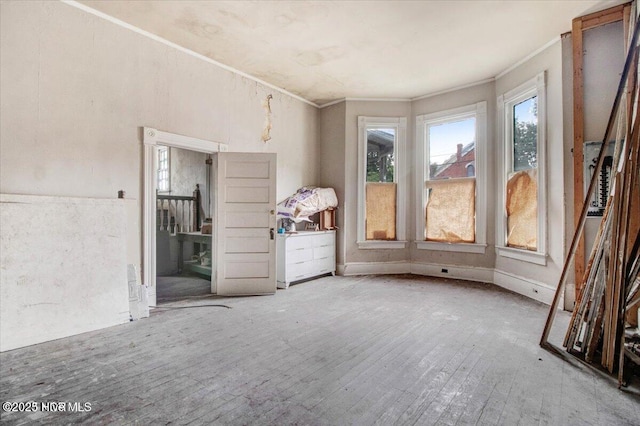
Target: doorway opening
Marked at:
176, 255
183, 227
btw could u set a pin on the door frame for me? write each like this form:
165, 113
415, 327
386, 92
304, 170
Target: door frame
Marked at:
151, 139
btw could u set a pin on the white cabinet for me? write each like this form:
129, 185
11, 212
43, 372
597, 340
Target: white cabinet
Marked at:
305, 255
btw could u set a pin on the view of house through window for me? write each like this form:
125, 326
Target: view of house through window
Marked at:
522, 182
450, 181
381, 188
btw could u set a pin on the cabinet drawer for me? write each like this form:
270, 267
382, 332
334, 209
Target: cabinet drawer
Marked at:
322, 266
300, 255
324, 240
298, 271
297, 242
324, 251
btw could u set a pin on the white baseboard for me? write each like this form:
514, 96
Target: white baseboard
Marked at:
527, 287
470, 273
377, 268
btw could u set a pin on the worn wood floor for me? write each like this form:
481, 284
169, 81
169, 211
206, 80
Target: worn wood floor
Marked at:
181, 287
333, 351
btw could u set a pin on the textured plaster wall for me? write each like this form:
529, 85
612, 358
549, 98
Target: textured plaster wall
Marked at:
76, 90
332, 165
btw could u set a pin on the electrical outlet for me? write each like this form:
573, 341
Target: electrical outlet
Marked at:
445, 271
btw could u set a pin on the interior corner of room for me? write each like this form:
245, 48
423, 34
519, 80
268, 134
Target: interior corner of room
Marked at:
137, 172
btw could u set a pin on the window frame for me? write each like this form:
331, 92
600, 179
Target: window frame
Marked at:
423, 122
533, 87
159, 149
399, 178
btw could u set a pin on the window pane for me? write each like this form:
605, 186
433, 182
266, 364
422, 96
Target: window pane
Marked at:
163, 169
452, 152
525, 134
380, 155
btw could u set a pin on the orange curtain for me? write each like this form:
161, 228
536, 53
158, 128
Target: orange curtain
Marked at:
451, 211
381, 211
522, 210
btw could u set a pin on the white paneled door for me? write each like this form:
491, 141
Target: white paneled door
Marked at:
244, 223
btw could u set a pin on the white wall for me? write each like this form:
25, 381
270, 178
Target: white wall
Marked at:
76, 90
537, 281
602, 65
332, 165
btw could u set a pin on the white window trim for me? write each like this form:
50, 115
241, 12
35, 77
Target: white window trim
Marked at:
534, 87
479, 111
400, 173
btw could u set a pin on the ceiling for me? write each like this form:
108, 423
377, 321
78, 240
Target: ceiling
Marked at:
328, 50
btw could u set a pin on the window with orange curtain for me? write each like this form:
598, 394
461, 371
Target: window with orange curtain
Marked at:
521, 229
450, 210
382, 183
380, 187
521, 201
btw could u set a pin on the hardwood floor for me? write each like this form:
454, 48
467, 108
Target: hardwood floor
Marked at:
333, 351
180, 287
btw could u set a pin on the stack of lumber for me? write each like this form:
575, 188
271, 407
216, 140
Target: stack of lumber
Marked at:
604, 327
610, 284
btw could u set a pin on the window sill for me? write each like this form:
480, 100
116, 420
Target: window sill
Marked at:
369, 245
455, 247
524, 255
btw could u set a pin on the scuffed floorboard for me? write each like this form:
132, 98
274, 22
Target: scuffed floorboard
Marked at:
336, 350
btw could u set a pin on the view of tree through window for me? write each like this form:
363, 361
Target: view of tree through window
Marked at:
381, 196
525, 134
380, 161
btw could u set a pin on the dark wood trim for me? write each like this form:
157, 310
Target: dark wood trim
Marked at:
578, 146
579, 25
